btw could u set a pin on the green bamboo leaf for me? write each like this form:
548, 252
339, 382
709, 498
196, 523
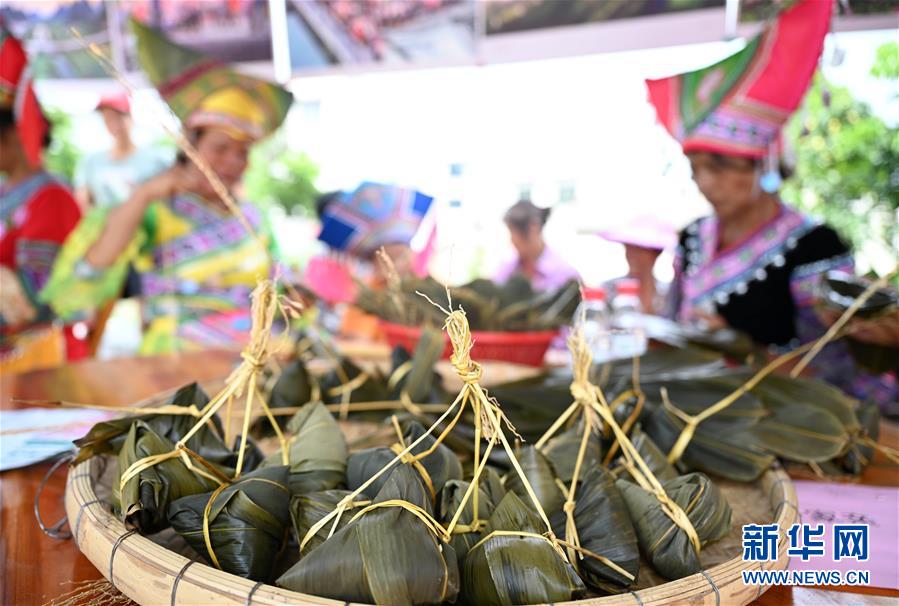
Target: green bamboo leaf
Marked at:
503, 570
450, 499
146, 497
735, 454
778, 391
562, 452
604, 527
540, 475
247, 522
803, 433
107, 437
309, 509
664, 543
439, 466
693, 396
654, 458
387, 556
860, 454
317, 452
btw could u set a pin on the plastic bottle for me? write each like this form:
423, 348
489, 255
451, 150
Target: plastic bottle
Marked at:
628, 333
594, 312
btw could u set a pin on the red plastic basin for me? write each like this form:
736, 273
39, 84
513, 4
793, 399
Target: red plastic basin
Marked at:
527, 348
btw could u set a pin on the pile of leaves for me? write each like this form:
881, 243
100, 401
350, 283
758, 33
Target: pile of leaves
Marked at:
513, 306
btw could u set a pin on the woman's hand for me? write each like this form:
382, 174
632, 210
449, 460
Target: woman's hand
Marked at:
710, 321
17, 309
882, 331
177, 179
879, 331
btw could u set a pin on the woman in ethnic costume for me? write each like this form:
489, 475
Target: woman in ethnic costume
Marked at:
754, 264
198, 262
37, 212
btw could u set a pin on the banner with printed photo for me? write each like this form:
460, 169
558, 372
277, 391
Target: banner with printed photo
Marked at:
369, 33
45, 27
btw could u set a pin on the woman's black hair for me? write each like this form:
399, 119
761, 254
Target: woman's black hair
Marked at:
524, 213
7, 119
324, 200
8, 122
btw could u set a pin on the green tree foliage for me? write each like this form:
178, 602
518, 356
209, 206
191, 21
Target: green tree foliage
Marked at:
278, 175
886, 65
847, 166
63, 155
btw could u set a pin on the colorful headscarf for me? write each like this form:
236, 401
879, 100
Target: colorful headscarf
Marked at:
17, 93
738, 106
372, 216
204, 92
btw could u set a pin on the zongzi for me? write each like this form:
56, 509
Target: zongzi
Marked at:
542, 478
604, 527
515, 563
387, 555
107, 437
146, 496
317, 451
247, 522
666, 544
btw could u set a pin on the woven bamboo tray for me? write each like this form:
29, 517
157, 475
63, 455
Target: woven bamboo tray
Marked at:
151, 574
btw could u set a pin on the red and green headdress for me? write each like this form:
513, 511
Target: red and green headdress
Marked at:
204, 92
17, 94
738, 106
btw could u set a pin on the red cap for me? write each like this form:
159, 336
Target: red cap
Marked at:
597, 293
628, 286
118, 102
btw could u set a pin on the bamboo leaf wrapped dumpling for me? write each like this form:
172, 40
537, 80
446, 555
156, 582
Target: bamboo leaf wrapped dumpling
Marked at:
317, 453
562, 451
386, 555
248, 521
665, 544
146, 496
652, 455
542, 478
308, 509
293, 388
107, 437
450, 498
604, 527
734, 454
506, 569
434, 469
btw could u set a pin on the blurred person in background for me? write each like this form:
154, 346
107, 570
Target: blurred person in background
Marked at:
37, 212
534, 260
755, 263
107, 178
644, 238
355, 226
198, 262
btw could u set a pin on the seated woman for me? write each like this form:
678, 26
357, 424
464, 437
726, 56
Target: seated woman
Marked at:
644, 238
539, 263
198, 261
36, 211
754, 264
